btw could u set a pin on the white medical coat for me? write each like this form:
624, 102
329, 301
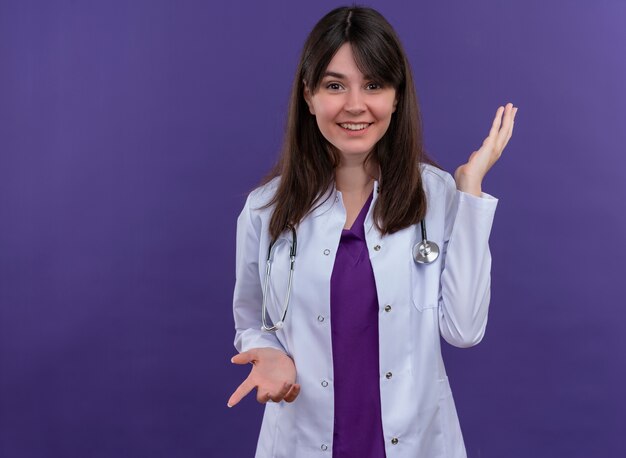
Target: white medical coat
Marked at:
418, 304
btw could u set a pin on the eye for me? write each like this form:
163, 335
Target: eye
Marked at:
334, 86
374, 86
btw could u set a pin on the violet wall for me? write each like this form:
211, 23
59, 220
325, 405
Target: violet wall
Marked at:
130, 133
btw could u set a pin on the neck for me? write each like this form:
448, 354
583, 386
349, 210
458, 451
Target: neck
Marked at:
356, 177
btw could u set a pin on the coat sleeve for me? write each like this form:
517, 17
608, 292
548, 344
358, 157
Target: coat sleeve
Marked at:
247, 296
465, 287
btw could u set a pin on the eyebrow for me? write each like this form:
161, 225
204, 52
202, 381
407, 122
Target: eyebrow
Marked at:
342, 76
334, 75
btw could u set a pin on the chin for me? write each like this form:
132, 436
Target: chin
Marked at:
354, 153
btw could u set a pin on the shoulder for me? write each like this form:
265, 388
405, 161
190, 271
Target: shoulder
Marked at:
262, 195
436, 181
256, 212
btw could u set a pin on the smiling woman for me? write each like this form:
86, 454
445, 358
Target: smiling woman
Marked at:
352, 111
355, 367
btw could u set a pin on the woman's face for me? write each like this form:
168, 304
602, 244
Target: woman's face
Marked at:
352, 111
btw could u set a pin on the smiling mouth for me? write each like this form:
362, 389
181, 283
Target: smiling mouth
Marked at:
355, 127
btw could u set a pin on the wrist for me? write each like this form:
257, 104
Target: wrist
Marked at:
469, 185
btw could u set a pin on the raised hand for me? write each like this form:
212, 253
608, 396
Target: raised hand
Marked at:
273, 374
469, 176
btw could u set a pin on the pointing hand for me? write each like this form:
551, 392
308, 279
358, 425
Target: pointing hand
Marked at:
273, 374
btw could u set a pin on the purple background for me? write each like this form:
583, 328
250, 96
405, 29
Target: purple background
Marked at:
130, 133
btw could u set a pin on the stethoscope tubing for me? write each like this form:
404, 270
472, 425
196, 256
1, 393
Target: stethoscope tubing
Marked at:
268, 271
424, 252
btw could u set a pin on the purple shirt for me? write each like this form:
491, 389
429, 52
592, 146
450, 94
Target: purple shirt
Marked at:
358, 430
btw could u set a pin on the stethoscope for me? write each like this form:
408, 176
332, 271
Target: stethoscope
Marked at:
424, 252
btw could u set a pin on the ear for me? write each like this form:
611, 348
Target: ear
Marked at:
395, 103
307, 98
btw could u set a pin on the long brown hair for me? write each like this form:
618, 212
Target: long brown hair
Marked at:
308, 161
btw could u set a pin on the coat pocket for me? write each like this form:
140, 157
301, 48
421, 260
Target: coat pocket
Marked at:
425, 285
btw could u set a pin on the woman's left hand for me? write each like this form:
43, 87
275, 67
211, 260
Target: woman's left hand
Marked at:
469, 176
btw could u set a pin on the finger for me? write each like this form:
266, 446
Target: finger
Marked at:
281, 394
263, 396
507, 124
292, 394
244, 357
506, 118
497, 121
502, 146
512, 124
508, 137
241, 391
512, 121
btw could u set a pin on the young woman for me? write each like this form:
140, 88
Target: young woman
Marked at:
345, 349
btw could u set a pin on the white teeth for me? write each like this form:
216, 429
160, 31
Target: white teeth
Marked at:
354, 126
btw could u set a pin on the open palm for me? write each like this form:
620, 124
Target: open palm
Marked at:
273, 374
470, 175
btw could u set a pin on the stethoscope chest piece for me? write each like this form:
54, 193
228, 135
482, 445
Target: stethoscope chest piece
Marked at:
425, 252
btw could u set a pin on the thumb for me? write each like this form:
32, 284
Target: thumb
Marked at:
244, 357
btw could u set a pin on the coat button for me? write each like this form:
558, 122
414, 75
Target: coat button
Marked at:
388, 375
320, 318
387, 308
377, 248
324, 383
324, 447
326, 252
394, 441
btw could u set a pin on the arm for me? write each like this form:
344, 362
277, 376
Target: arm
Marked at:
247, 296
466, 275
273, 372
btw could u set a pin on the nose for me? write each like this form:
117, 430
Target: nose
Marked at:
355, 103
